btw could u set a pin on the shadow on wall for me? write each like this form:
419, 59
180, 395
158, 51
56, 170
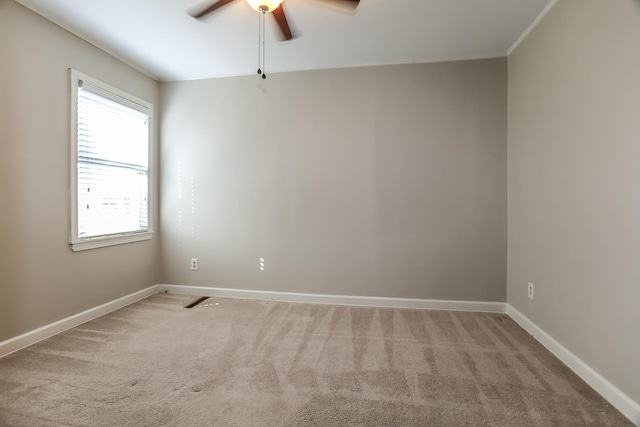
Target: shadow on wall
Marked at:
14, 210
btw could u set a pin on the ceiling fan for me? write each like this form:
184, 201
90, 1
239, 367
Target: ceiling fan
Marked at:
275, 7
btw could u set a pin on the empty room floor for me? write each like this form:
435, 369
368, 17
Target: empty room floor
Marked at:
234, 362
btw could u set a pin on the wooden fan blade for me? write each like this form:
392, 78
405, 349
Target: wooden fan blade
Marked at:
281, 19
214, 6
351, 4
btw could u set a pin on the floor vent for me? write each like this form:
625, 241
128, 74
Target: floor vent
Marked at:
196, 302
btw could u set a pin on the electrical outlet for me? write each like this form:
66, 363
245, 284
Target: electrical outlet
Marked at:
194, 264
261, 264
530, 290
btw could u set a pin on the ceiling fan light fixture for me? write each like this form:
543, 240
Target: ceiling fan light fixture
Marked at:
264, 6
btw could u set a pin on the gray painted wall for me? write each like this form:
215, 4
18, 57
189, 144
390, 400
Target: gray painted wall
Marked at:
574, 174
385, 181
41, 279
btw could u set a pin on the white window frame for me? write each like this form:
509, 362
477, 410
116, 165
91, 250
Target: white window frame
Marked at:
119, 96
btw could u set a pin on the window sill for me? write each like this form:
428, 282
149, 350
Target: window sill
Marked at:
101, 242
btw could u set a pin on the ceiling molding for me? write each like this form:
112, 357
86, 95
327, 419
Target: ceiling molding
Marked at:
533, 25
43, 14
382, 32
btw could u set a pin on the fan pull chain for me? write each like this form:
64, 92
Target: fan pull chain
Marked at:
264, 52
261, 44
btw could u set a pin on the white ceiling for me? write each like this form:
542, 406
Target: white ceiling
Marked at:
160, 38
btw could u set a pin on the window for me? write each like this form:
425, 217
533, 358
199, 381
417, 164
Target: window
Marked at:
110, 152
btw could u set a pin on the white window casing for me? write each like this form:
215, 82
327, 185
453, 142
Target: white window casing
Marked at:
111, 176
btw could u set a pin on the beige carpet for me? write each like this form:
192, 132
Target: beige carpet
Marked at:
258, 363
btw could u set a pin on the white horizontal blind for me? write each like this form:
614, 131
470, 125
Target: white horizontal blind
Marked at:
113, 165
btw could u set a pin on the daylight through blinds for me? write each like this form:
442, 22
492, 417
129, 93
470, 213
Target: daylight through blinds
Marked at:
113, 166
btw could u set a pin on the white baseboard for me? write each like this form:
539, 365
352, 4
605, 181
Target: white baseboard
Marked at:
481, 306
14, 344
623, 403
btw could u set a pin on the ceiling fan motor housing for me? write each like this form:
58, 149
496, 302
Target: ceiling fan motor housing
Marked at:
264, 6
